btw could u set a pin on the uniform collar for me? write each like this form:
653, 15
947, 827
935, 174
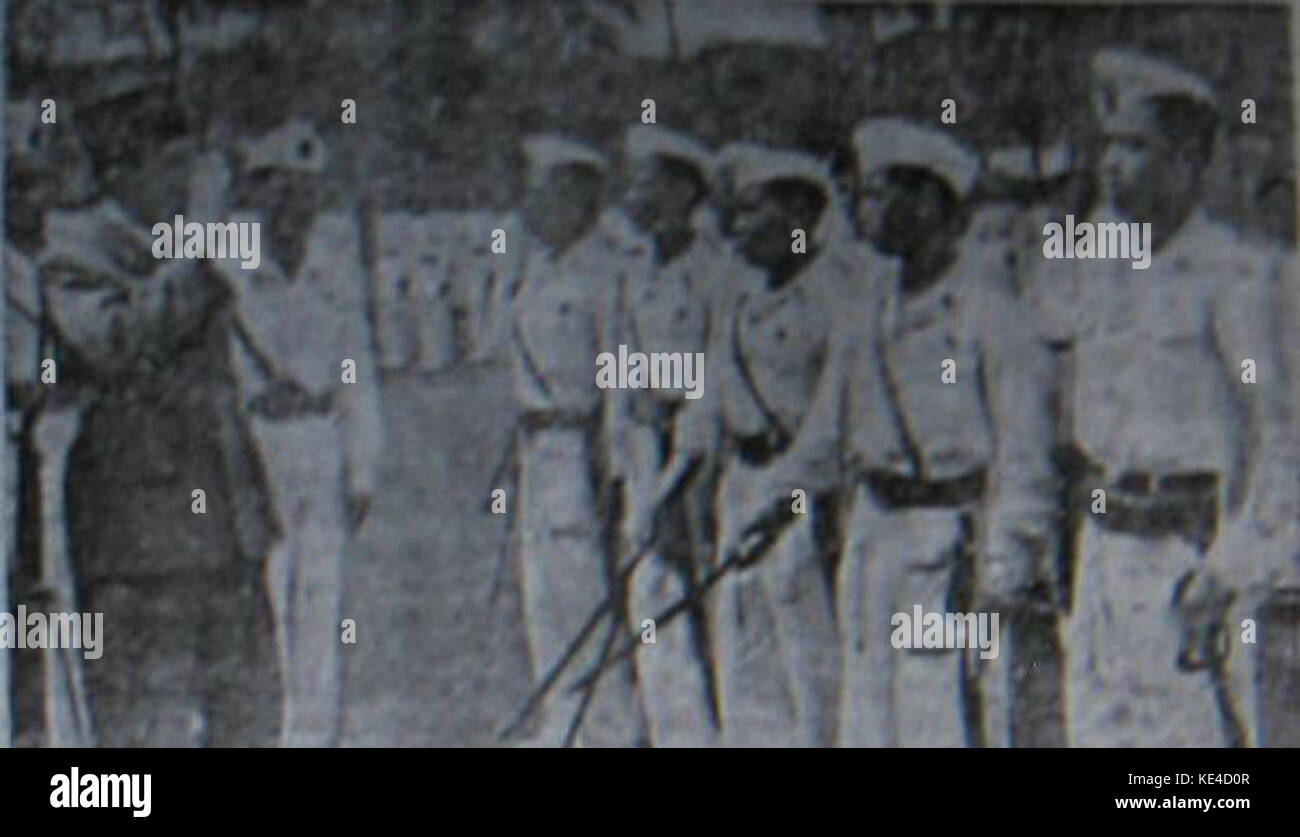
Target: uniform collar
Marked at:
1196, 232
946, 292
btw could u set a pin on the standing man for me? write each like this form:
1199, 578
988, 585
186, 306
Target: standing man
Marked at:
670, 281
565, 314
304, 362
1194, 459
939, 378
769, 364
188, 652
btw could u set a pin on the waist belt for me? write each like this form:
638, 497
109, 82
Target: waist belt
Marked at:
534, 420
286, 400
1182, 504
894, 490
760, 448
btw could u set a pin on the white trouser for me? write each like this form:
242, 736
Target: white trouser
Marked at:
303, 457
774, 627
1123, 685
895, 559
673, 680
562, 570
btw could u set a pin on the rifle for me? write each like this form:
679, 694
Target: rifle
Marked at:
759, 538
762, 535
606, 607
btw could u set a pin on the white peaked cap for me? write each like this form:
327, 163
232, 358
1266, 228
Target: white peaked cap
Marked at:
294, 145
892, 141
642, 141
747, 164
546, 151
1125, 78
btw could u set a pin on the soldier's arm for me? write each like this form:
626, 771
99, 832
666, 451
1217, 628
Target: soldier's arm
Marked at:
107, 297
360, 412
1262, 516
813, 463
616, 416
1020, 524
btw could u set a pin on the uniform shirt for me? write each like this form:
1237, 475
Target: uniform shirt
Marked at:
1152, 367
1157, 353
771, 364
307, 324
996, 415
946, 423
565, 314
669, 308
672, 307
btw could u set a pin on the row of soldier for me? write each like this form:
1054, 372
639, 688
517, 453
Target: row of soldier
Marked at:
945, 407
948, 409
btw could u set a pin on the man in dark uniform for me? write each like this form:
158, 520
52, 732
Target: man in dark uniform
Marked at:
188, 651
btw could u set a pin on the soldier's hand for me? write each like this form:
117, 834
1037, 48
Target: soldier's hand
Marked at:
1200, 602
999, 585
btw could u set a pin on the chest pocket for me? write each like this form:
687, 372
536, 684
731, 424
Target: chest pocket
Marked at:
947, 421
667, 316
943, 424
781, 345
560, 327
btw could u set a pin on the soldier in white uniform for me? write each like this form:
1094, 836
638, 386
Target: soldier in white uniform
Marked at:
1197, 466
669, 281
319, 437
565, 315
922, 443
767, 365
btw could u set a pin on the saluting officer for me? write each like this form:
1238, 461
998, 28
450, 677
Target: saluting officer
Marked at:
188, 647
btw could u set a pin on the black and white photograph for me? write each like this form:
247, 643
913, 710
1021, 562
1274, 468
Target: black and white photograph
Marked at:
649, 374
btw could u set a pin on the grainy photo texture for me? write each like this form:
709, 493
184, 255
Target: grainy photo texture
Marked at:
667, 373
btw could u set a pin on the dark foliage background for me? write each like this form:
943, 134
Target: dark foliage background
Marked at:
445, 89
